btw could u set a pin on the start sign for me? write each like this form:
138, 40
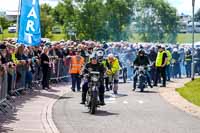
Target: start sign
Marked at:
29, 23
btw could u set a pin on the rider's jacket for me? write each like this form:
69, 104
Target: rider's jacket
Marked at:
141, 61
99, 67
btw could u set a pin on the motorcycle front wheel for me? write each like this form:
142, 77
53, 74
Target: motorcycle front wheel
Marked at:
93, 104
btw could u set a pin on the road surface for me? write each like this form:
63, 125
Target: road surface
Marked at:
129, 112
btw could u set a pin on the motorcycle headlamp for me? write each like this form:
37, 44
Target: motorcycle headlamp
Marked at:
94, 78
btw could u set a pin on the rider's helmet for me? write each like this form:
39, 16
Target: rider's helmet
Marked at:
100, 54
141, 52
93, 57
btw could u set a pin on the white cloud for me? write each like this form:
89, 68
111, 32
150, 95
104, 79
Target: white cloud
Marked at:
185, 6
13, 4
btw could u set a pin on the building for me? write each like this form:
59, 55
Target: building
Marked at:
2, 14
196, 27
11, 15
183, 22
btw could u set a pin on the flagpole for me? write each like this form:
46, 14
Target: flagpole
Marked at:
18, 19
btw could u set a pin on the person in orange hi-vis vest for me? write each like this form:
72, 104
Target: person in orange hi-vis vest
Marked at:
76, 65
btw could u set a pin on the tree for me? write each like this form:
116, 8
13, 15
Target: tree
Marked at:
4, 23
197, 15
91, 22
65, 13
119, 15
95, 19
46, 20
156, 21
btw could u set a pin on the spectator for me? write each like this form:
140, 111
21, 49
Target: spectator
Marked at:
45, 68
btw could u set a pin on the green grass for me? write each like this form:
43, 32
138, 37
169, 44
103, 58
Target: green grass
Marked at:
181, 38
191, 92
7, 35
187, 38
57, 37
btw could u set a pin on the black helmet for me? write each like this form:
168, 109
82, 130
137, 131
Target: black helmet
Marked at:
141, 51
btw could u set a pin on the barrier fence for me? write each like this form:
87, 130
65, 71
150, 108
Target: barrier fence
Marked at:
25, 76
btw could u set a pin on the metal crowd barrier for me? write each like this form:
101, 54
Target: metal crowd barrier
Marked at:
3, 87
13, 80
59, 70
3, 92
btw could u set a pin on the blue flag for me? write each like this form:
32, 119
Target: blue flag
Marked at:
29, 32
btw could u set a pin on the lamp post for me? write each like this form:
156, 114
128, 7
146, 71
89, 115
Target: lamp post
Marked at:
193, 5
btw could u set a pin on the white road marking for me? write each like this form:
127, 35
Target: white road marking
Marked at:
140, 101
125, 102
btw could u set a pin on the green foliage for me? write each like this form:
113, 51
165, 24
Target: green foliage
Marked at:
91, 22
4, 23
156, 21
191, 91
197, 15
106, 20
46, 20
119, 15
95, 19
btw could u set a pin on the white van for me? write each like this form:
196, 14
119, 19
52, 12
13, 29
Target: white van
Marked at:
196, 27
12, 29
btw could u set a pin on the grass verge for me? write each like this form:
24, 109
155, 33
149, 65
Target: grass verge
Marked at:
191, 92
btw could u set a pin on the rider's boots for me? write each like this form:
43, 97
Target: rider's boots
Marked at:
101, 99
83, 98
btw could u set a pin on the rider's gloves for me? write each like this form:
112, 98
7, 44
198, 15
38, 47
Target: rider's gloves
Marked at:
109, 72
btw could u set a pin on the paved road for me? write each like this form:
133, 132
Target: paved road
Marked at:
127, 113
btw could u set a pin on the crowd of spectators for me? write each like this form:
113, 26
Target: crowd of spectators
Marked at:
13, 54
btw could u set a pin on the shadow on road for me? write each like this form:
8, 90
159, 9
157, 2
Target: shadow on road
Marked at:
65, 97
105, 113
146, 92
116, 96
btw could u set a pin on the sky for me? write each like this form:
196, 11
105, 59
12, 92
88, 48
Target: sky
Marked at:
183, 6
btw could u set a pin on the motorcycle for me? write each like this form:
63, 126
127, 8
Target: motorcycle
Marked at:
92, 100
141, 75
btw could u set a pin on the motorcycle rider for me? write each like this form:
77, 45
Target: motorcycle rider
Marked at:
94, 65
141, 60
